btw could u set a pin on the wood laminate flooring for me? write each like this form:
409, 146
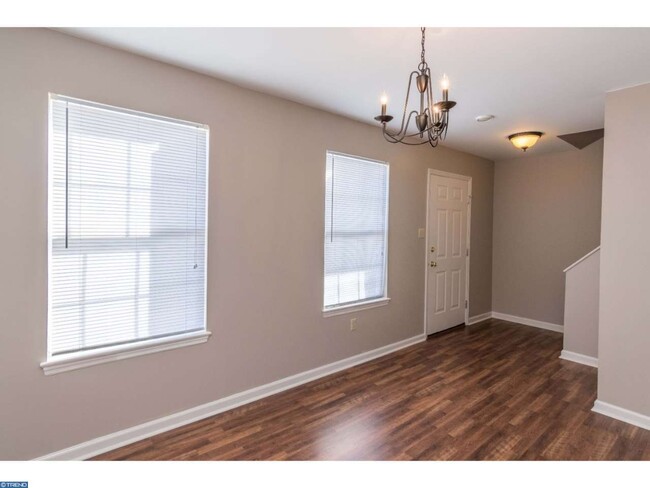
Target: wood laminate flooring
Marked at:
495, 390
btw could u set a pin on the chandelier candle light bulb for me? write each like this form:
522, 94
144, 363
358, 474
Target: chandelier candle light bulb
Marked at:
384, 102
436, 113
432, 118
444, 84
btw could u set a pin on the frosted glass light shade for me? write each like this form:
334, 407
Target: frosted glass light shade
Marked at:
525, 140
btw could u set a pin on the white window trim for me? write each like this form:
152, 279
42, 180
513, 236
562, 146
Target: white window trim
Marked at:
372, 302
140, 113
84, 359
105, 354
355, 307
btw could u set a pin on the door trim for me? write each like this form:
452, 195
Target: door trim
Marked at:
435, 172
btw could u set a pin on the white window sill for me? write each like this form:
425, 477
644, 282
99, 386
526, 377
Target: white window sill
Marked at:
115, 353
379, 302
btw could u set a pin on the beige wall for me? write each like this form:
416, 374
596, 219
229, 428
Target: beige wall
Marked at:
624, 328
546, 216
267, 169
581, 306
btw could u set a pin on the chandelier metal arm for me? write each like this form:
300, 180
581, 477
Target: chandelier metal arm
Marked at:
407, 143
407, 139
434, 134
431, 99
406, 102
395, 136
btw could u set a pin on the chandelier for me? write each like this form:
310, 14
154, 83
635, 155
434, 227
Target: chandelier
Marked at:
432, 120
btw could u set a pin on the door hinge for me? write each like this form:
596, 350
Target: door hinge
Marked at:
465, 303
467, 252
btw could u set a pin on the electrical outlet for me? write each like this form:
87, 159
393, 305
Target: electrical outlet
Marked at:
353, 324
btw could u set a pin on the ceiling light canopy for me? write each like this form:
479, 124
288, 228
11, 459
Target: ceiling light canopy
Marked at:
432, 119
525, 140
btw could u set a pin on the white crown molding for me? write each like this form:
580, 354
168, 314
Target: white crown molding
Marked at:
124, 437
531, 322
622, 414
579, 358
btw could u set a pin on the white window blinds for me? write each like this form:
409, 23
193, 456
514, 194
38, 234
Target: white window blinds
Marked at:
356, 227
127, 226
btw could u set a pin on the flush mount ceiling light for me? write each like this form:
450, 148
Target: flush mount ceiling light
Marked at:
525, 140
431, 120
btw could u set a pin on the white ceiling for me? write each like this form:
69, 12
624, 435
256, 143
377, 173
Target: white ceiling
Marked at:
553, 80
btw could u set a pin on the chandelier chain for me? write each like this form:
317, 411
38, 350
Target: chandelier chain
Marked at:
422, 54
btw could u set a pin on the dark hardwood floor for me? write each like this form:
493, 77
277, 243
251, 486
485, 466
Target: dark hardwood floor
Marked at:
495, 390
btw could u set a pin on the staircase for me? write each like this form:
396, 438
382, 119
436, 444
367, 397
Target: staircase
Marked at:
581, 298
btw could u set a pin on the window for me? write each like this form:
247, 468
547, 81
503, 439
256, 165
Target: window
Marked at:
356, 232
127, 230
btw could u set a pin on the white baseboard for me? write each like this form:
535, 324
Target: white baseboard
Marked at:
579, 358
623, 414
533, 323
513, 318
124, 437
479, 318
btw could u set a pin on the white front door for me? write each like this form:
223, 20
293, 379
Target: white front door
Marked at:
447, 251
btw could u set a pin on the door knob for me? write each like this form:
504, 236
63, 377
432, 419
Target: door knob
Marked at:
433, 264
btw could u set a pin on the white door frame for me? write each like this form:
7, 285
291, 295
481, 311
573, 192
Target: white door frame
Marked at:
436, 172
